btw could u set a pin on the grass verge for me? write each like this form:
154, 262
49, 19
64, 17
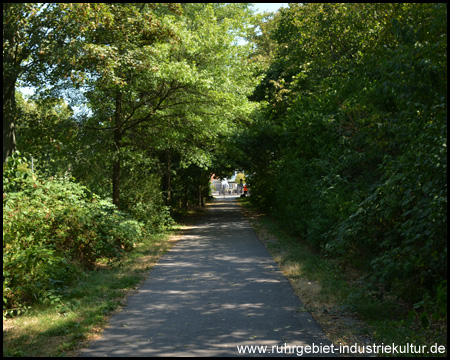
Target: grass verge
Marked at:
345, 309
80, 315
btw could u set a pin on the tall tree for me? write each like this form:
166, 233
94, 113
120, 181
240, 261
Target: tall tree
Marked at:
40, 41
173, 91
118, 56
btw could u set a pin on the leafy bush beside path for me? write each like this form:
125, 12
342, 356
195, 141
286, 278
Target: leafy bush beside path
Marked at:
52, 230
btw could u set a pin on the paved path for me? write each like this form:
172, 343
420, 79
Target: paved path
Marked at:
216, 289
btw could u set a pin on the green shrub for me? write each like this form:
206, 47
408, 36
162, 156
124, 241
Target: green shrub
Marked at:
358, 157
51, 228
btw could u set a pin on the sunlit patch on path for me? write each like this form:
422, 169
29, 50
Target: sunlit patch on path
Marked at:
216, 289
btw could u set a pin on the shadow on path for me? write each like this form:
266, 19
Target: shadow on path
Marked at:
216, 289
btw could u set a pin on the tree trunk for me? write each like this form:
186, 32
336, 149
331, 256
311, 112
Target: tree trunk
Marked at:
9, 110
117, 145
186, 194
10, 75
167, 178
9, 113
199, 193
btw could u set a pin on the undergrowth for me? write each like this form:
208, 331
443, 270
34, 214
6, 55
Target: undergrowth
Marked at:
349, 309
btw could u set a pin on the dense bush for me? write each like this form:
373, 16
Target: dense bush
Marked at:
359, 149
51, 228
141, 194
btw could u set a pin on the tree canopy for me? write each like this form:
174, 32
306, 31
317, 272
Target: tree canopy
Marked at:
161, 82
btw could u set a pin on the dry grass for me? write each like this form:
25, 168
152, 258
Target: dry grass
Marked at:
323, 302
104, 292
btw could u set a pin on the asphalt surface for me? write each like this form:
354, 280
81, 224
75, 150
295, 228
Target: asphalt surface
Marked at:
218, 288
